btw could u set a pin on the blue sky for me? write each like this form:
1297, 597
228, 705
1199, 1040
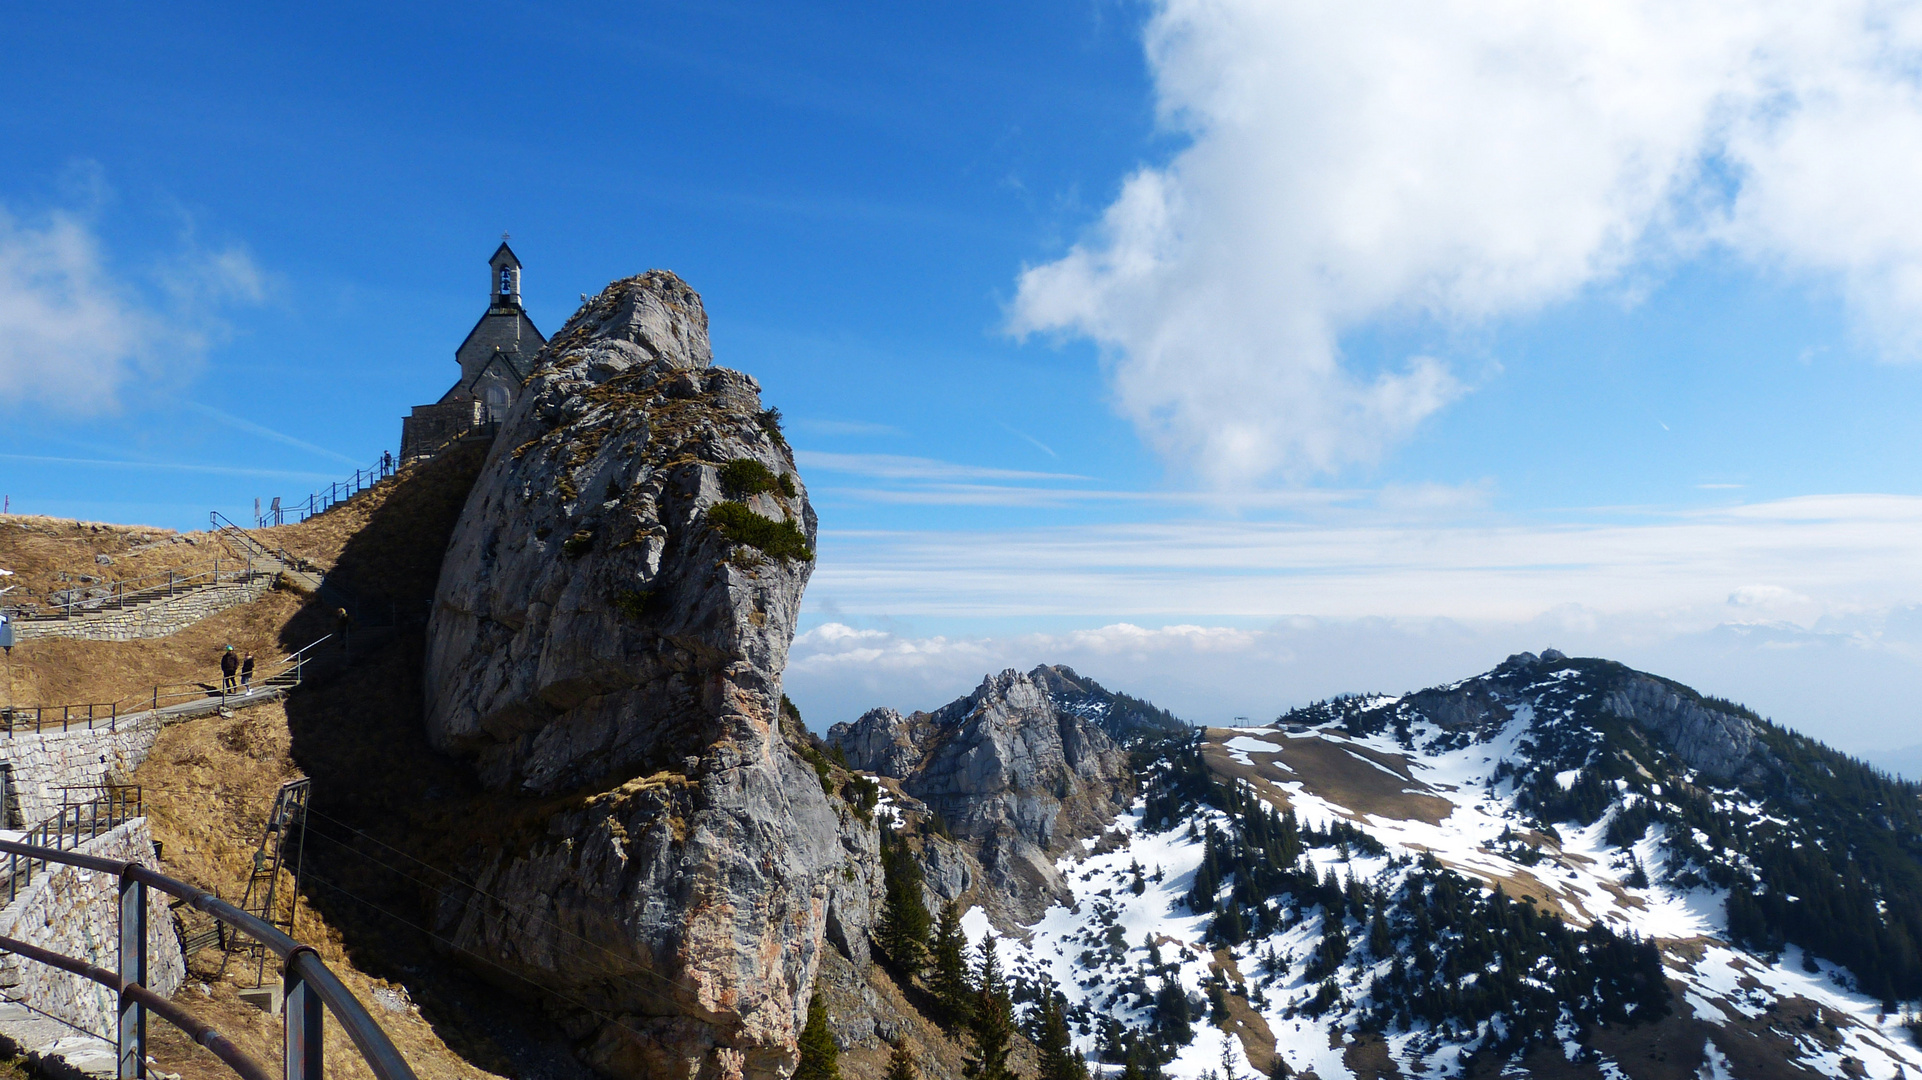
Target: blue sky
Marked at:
1235, 353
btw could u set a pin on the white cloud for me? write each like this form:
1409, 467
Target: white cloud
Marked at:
1467, 160
75, 335
1847, 553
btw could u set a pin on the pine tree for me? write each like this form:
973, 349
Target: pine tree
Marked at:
1058, 1058
952, 986
1172, 1016
1378, 939
903, 930
901, 1062
820, 1058
1228, 1071
993, 1024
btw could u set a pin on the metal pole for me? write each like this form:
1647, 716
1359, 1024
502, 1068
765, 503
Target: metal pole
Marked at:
133, 972
301, 1012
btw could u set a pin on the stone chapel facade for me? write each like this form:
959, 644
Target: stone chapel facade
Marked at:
495, 360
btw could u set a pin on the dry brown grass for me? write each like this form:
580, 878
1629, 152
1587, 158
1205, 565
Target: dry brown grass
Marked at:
209, 782
1249, 1027
39, 549
60, 671
1336, 772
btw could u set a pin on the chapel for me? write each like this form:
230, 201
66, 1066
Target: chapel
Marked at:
495, 360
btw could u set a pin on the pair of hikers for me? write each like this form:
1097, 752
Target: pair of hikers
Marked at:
236, 673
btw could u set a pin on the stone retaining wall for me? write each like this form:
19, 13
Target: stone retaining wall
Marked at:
43, 762
77, 913
157, 619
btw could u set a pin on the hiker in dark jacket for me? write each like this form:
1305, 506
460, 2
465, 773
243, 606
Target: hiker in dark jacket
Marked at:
229, 664
247, 673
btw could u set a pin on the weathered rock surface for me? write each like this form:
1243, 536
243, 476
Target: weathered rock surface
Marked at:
1718, 742
1123, 717
1009, 771
883, 741
1718, 739
605, 638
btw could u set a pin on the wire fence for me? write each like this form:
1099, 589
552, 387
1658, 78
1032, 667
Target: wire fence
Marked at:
292, 513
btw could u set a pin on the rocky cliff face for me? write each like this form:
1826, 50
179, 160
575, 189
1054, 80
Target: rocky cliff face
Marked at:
1008, 770
1122, 716
1717, 738
613, 617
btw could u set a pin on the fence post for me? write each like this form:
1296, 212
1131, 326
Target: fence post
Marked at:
133, 970
301, 1012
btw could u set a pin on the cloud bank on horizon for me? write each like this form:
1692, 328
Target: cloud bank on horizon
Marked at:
1467, 162
1808, 609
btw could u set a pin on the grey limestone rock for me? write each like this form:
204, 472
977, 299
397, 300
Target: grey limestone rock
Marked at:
883, 741
602, 646
1718, 742
1009, 772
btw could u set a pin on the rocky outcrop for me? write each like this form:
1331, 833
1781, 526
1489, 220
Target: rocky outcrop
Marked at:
1123, 717
1008, 771
613, 616
1718, 739
883, 741
1718, 742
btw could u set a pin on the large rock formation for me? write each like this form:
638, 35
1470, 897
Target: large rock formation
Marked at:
1008, 770
1717, 738
613, 617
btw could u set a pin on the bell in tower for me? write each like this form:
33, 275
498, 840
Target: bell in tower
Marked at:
506, 278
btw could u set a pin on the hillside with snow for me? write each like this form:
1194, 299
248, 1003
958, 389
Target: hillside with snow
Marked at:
1560, 868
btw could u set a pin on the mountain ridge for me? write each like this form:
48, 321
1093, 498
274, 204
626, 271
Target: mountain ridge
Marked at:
1539, 868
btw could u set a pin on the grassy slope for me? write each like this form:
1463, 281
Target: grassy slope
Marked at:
209, 783
390, 816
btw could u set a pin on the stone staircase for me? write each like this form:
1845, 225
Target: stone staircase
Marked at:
168, 603
151, 610
48, 753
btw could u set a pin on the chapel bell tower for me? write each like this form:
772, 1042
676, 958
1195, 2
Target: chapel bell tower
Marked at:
495, 361
506, 283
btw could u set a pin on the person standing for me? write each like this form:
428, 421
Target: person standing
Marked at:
229, 664
247, 674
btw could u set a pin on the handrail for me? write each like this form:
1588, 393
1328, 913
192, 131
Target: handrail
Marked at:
14, 717
329, 497
200, 1032
295, 655
224, 527
284, 673
302, 964
170, 585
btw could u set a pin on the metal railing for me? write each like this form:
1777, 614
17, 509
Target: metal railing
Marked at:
309, 986
279, 513
72, 825
282, 674
132, 592
247, 544
15, 718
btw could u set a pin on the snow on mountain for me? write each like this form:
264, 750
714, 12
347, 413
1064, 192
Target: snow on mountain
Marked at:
1482, 876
